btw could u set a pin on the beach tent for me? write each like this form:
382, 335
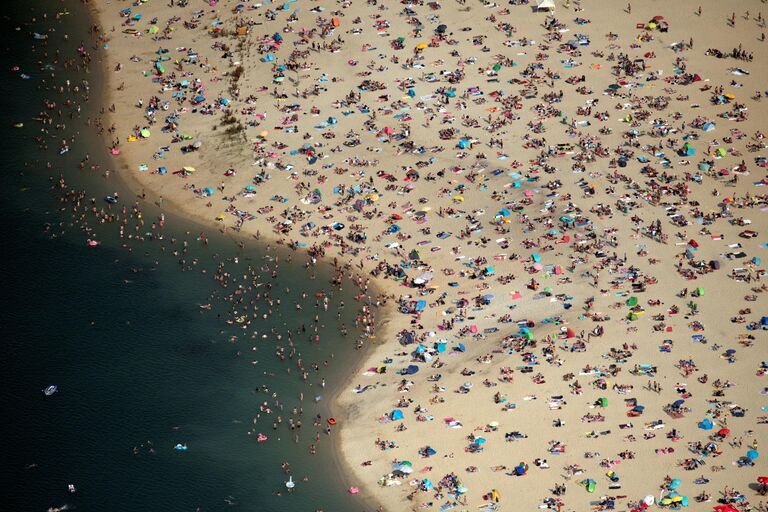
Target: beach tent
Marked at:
545, 5
396, 414
412, 369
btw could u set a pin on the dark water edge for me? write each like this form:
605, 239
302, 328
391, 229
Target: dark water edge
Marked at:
134, 357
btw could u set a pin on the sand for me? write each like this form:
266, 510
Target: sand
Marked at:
289, 133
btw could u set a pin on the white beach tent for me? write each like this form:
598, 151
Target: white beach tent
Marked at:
545, 5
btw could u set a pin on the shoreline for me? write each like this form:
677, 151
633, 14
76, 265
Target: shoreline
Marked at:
346, 470
358, 427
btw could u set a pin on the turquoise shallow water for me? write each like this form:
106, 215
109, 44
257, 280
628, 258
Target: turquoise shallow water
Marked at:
134, 357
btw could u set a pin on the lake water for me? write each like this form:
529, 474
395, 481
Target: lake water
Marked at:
135, 358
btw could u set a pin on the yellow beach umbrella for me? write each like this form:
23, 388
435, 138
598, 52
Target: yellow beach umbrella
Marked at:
421, 46
189, 169
220, 216
458, 198
264, 133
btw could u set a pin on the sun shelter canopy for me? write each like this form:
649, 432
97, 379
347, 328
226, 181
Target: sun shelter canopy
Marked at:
545, 5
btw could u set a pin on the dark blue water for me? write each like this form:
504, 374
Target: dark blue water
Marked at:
139, 366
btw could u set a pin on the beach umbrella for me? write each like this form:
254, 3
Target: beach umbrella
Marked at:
412, 369
762, 480
753, 454
404, 463
441, 29
632, 302
421, 46
396, 414
208, 191
250, 187
678, 403
649, 500
145, 133
674, 484
723, 432
480, 440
